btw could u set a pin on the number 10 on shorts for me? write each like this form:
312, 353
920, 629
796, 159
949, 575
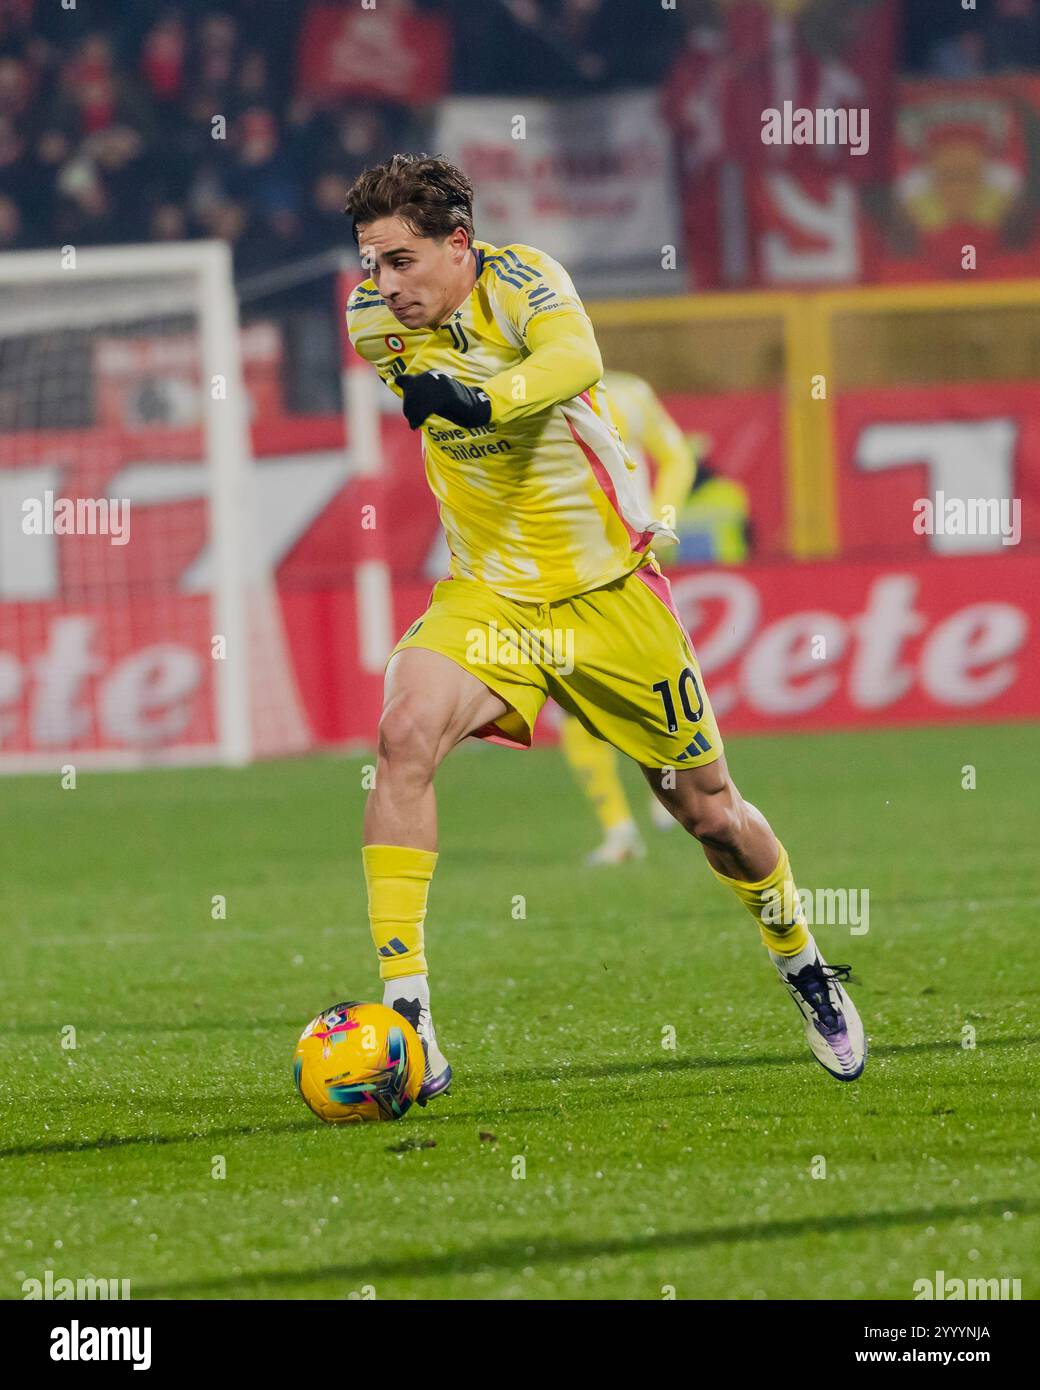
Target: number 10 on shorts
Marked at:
691, 711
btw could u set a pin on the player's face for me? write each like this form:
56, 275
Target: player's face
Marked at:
422, 279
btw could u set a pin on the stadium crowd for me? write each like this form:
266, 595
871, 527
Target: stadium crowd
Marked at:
107, 111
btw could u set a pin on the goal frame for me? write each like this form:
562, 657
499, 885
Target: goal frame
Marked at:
228, 455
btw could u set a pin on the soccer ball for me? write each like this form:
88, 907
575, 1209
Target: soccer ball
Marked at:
358, 1062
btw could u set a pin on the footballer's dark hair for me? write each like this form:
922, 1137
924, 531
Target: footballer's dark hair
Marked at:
431, 196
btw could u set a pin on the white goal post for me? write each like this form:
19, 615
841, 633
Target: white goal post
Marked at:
136, 624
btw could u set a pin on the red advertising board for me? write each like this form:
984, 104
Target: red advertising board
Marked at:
76, 676
783, 647
900, 445
932, 642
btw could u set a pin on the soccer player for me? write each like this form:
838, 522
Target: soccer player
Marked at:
553, 589
646, 429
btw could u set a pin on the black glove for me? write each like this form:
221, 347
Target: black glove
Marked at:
433, 393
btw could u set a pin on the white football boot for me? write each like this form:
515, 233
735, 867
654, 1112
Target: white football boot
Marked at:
660, 816
832, 1025
621, 842
410, 997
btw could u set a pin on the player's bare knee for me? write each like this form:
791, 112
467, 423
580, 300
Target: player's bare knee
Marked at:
408, 739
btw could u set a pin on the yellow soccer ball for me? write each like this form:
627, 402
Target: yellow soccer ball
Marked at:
359, 1062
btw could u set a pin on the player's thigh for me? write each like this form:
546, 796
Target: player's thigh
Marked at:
635, 680
430, 703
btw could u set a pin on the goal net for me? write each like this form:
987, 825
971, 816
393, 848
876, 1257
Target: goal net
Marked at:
139, 622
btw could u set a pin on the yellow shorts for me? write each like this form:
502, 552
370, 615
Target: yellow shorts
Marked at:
617, 657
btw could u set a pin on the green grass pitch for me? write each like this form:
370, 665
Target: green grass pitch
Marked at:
647, 1169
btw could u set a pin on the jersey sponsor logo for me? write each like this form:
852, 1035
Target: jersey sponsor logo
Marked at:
552, 304
540, 294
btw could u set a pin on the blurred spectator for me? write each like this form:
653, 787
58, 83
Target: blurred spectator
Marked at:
16, 87
85, 213
352, 140
253, 86
1012, 34
16, 26
16, 173
163, 57
235, 223
261, 171
39, 204
213, 62
168, 222
1002, 37
961, 55
126, 173
10, 224
283, 238
328, 197
90, 84
559, 47
94, 96
196, 144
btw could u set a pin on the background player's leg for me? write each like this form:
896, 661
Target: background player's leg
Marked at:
594, 764
430, 704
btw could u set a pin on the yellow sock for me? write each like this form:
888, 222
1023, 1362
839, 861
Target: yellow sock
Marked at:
773, 902
398, 881
594, 763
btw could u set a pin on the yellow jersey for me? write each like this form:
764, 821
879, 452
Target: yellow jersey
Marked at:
542, 503
648, 430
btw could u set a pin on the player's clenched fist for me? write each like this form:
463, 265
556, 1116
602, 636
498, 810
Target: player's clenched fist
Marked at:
433, 393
